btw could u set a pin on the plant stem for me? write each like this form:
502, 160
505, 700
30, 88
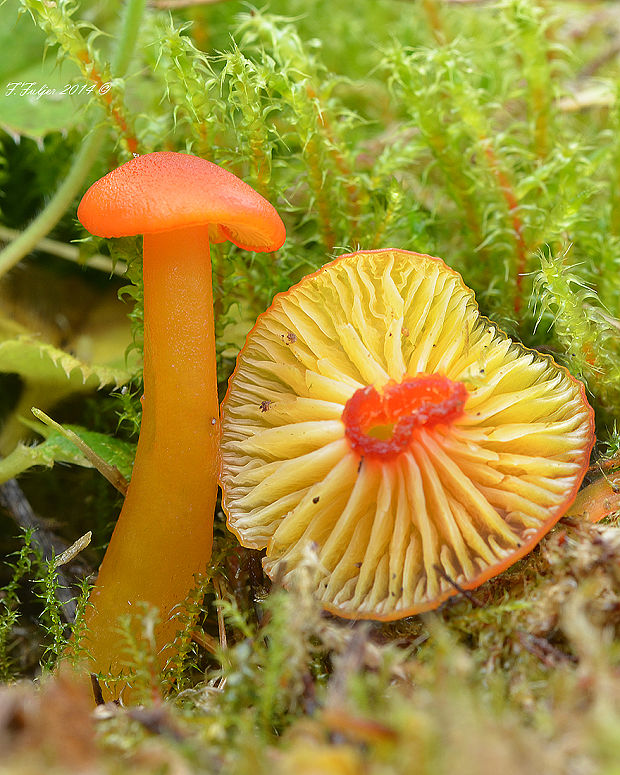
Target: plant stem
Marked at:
508, 192
110, 472
69, 252
87, 155
433, 17
16, 504
49, 217
335, 152
130, 26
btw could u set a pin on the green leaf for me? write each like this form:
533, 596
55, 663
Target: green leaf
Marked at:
57, 449
21, 43
22, 111
39, 362
76, 351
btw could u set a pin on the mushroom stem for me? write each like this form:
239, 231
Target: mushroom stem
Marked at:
171, 497
599, 499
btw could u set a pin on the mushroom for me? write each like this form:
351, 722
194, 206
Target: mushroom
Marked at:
163, 537
375, 416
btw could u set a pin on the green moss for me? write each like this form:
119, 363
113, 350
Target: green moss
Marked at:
443, 128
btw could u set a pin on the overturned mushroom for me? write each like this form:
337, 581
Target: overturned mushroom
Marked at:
374, 414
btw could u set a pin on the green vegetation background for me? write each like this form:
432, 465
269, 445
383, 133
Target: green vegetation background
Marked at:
484, 133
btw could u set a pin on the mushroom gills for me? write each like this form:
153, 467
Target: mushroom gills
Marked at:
469, 492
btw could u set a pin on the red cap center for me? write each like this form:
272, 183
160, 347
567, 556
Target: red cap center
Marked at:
381, 425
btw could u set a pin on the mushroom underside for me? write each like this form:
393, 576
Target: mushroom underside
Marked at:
468, 493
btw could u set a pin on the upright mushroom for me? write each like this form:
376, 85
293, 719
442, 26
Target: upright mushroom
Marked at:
164, 534
376, 416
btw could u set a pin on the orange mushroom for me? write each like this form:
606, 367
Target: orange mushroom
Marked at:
377, 417
600, 499
164, 534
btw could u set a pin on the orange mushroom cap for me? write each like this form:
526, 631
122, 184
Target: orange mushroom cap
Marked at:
165, 190
376, 416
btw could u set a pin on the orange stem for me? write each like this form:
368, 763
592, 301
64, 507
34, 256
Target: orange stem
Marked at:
598, 499
164, 534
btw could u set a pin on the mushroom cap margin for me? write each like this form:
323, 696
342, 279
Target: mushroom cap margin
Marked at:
165, 190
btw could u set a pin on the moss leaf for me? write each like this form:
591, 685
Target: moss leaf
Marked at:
39, 362
58, 449
32, 101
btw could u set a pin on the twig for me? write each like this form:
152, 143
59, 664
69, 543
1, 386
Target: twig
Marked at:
465, 592
593, 96
15, 502
97, 693
205, 641
548, 654
435, 22
76, 547
348, 664
69, 252
221, 624
605, 465
595, 64
111, 473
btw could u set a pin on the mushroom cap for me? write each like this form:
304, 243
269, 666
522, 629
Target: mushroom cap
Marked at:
165, 190
493, 438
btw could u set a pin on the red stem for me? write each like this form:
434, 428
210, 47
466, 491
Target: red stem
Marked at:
109, 99
517, 225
